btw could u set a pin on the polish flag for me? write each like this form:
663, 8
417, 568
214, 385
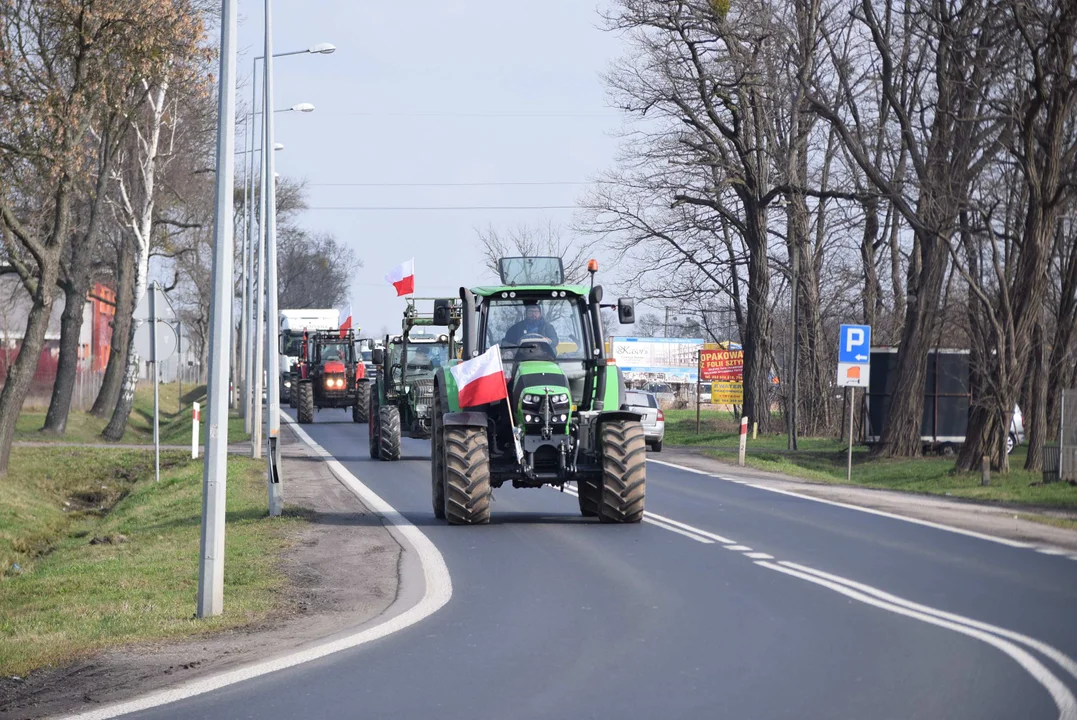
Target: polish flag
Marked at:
345, 318
402, 277
481, 380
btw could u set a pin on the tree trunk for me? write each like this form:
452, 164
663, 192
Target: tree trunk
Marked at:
901, 436
757, 335
21, 373
1035, 412
63, 388
117, 425
122, 329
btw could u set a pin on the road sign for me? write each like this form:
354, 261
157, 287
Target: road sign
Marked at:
854, 344
727, 393
854, 356
166, 341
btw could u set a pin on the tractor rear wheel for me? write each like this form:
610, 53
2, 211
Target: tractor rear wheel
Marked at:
305, 410
388, 433
589, 495
437, 460
467, 475
361, 408
374, 428
624, 472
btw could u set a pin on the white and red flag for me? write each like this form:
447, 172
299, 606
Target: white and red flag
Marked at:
481, 380
402, 277
345, 320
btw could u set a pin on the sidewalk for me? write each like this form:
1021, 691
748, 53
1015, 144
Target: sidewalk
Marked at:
240, 448
999, 520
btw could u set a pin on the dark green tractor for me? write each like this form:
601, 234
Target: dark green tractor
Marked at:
402, 400
565, 418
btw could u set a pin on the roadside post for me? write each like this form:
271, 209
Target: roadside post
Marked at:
196, 417
155, 339
743, 440
854, 370
699, 384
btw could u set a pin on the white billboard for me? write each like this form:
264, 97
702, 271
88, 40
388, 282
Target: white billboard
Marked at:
672, 360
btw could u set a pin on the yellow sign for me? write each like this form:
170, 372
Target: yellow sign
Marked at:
727, 393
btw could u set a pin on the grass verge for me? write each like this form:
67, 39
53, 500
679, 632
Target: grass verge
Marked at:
174, 421
139, 580
824, 460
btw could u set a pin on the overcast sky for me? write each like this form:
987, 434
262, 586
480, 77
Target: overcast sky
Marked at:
435, 91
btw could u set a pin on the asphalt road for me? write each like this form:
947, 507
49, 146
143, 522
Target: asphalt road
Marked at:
725, 615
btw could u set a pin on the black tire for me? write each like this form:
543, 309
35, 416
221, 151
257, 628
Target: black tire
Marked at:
374, 428
388, 433
305, 411
624, 472
437, 460
467, 475
361, 408
589, 494
291, 396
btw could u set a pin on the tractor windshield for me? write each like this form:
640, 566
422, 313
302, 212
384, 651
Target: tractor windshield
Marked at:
547, 328
335, 351
292, 343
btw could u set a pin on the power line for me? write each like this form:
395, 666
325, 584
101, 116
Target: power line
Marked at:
478, 114
449, 184
443, 207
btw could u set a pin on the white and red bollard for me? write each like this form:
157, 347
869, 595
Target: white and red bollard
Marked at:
743, 440
196, 417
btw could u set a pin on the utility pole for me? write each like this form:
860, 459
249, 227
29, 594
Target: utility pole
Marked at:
667, 321
271, 323
215, 468
242, 391
794, 349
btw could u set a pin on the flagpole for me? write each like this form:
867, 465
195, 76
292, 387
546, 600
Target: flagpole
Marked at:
508, 404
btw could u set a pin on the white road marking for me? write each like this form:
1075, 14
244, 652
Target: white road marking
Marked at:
758, 556
689, 528
738, 548
858, 508
436, 595
1063, 698
699, 537
1052, 551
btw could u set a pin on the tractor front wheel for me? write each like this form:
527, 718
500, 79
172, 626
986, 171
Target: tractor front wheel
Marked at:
305, 411
467, 475
361, 408
388, 433
374, 427
437, 460
624, 472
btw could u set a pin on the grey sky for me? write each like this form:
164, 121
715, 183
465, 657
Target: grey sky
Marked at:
418, 69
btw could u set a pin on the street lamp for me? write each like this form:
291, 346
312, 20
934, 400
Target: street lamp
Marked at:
252, 384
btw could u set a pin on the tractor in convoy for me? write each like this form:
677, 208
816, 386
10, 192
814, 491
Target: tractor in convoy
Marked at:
329, 374
401, 402
293, 323
565, 419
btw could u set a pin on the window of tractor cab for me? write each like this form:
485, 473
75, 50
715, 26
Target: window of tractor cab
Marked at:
423, 356
542, 329
334, 351
292, 344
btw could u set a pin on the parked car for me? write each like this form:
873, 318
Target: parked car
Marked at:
663, 392
654, 420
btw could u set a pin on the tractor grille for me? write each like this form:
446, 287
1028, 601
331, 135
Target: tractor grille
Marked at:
424, 392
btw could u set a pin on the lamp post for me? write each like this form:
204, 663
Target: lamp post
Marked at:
252, 395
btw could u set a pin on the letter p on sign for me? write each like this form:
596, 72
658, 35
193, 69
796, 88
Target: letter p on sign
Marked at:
854, 338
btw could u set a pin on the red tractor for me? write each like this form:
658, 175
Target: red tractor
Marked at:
329, 374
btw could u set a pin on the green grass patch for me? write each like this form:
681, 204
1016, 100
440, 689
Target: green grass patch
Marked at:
72, 597
824, 460
174, 420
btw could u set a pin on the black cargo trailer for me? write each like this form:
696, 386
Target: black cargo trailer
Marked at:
947, 397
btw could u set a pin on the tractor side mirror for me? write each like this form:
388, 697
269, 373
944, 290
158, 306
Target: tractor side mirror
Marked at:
377, 356
626, 311
280, 344
442, 312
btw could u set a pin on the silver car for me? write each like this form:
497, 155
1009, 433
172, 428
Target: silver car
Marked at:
654, 420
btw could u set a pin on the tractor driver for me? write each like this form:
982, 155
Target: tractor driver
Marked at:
533, 324
332, 352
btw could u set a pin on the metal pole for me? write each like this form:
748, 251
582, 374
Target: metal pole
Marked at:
852, 414
794, 352
215, 468
252, 324
259, 308
699, 385
156, 383
179, 364
241, 365
272, 324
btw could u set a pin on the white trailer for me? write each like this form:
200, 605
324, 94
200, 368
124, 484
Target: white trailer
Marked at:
292, 325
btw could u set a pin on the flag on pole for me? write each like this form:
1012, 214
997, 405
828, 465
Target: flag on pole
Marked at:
345, 319
402, 277
481, 380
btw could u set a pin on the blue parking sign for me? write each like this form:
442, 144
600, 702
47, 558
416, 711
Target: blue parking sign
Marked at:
854, 344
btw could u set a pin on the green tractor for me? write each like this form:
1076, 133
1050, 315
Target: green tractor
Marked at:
401, 402
565, 418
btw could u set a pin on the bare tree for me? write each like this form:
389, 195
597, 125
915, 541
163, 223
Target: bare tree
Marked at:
534, 241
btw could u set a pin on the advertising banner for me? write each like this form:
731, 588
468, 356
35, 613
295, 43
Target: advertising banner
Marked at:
671, 360
726, 365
